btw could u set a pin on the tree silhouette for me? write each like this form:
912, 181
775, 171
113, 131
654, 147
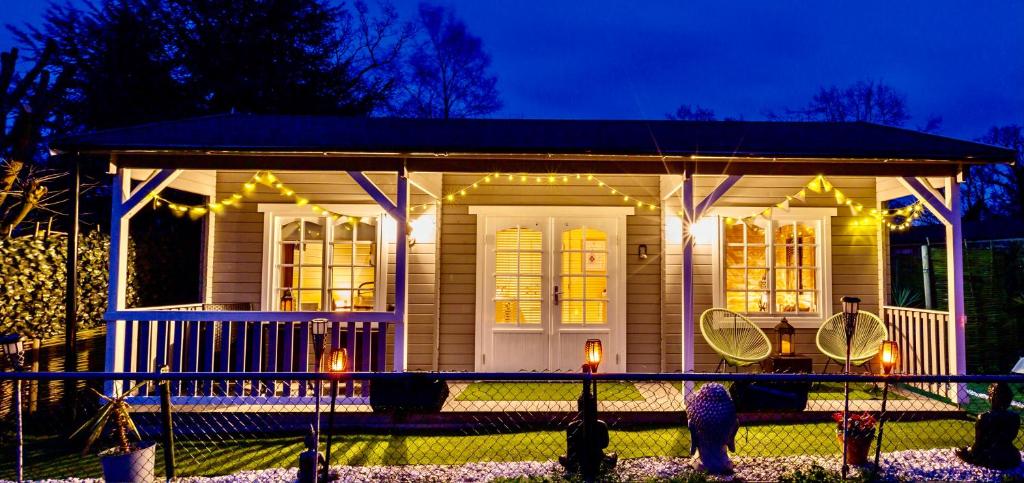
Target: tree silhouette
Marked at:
448, 70
696, 112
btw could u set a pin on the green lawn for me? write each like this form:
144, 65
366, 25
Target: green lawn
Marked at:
52, 458
833, 391
546, 391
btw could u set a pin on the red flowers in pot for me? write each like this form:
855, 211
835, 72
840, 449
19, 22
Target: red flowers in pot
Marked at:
860, 430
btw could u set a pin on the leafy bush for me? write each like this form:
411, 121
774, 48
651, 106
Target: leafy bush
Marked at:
33, 275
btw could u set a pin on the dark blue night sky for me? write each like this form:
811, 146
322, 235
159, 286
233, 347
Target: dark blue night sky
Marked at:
961, 60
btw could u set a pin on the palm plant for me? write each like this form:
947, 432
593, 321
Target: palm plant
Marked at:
905, 297
114, 409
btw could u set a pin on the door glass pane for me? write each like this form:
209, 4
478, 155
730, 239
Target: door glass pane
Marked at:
309, 300
572, 312
290, 230
518, 286
584, 280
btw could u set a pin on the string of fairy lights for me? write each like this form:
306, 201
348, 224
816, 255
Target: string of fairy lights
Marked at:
270, 180
896, 219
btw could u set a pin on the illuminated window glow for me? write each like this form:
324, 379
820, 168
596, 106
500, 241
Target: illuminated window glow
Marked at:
584, 277
771, 267
518, 276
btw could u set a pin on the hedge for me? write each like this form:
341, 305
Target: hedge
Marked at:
33, 276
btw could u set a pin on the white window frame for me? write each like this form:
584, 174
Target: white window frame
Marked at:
272, 234
822, 215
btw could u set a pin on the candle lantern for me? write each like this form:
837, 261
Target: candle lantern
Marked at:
784, 335
287, 301
592, 353
889, 356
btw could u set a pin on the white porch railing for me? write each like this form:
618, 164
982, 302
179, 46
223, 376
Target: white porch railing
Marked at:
211, 345
923, 338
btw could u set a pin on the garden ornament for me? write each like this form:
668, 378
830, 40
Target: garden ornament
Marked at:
995, 432
311, 461
586, 439
711, 418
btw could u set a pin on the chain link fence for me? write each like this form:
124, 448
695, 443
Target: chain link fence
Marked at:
473, 426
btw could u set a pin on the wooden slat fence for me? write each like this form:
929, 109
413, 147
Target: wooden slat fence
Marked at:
923, 338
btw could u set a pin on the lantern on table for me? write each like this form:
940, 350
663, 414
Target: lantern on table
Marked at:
784, 335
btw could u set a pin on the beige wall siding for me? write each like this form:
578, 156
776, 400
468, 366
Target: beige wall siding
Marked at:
854, 260
458, 259
238, 246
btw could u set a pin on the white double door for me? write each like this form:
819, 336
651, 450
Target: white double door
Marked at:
549, 283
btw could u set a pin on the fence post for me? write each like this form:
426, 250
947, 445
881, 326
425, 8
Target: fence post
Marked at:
167, 424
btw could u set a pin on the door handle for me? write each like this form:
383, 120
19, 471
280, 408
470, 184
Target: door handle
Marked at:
555, 294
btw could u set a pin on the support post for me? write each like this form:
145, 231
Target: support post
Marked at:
955, 273
401, 214
118, 275
926, 274
71, 291
688, 213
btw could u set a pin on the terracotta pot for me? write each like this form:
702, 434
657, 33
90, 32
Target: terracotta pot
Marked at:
856, 449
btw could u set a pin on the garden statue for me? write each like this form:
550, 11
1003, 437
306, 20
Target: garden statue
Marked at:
995, 432
311, 461
711, 417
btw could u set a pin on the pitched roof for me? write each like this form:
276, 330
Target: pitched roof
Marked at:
754, 139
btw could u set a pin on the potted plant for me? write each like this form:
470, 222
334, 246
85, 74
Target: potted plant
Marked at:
129, 460
859, 432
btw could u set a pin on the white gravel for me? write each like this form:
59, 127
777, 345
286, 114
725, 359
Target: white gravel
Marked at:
914, 465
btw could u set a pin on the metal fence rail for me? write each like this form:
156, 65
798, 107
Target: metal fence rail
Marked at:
439, 426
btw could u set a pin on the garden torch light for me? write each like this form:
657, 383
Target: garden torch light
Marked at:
13, 348
851, 305
889, 355
319, 329
336, 364
592, 353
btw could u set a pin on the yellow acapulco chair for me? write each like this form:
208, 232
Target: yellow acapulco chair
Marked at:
867, 339
739, 341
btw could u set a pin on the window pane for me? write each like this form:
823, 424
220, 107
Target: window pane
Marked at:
572, 312
734, 256
785, 279
808, 301
572, 288
312, 277
529, 287
529, 263
314, 230
505, 287
312, 253
342, 254
784, 233
343, 232
529, 239
807, 256
757, 279
785, 301
757, 256
506, 263
736, 301
290, 230
757, 301
529, 311
734, 233
288, 277
341, 299
507, 239
572, 262
595, 263
807, 232
597, 312
289, 253
755, 231
506, 311
734, 279
572, 239
309, 300
366, 230
363, 298
597, 288
808, 279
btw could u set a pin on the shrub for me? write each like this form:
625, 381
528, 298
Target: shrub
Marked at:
33, 275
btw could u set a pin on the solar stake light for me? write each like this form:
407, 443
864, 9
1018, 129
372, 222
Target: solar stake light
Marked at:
14, 349
592, 353
889, 356
319, 329
336, 365
851, 306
